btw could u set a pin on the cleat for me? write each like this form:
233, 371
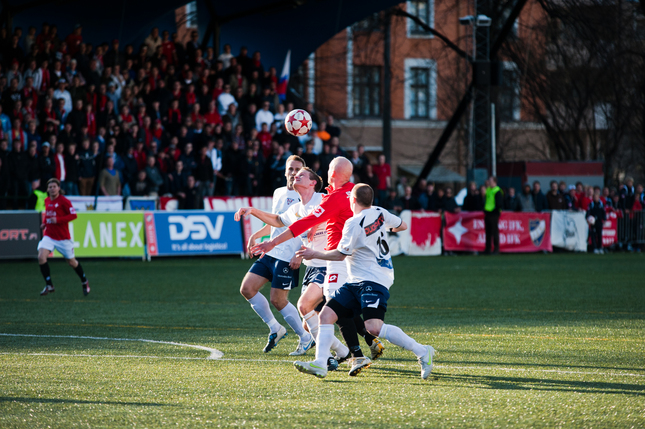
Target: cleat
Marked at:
358, 364
340, 360
48, 289
332, 364
86, 287
275, 338
377, 348
426, 362
311, 368
303, 346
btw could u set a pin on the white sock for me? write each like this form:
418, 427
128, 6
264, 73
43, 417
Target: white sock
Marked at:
291, 316
311, 319
399, 338
341, 349
323, 343
260, 305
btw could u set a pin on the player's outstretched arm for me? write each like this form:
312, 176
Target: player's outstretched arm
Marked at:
327, 255
267, 246
401, 227
265, 230
268, 218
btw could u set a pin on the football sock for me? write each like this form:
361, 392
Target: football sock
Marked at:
337, 346
80, 273
323, 343
360, 328
399, 338
260, 305
44, 269
348, 332
311, 319
292, 317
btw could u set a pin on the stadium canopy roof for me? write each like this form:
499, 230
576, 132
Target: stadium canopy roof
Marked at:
269, 26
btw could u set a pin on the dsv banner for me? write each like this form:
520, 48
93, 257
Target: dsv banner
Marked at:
192, 233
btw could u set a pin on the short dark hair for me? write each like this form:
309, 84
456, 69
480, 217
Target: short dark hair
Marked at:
297, 158
364, 194
314, 176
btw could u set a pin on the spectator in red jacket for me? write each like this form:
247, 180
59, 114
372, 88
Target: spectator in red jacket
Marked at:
384, 174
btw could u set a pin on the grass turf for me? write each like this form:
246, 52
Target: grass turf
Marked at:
523, 340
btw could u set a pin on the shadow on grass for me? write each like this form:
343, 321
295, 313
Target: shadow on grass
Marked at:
76, 401
524, 383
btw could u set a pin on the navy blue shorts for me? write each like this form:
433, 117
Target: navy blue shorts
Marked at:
366, 298
277, 272
315, 275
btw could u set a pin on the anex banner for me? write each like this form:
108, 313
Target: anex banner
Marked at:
193, 232
518, 232
107, 234
19, 234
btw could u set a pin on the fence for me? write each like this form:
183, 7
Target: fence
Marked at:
631, 229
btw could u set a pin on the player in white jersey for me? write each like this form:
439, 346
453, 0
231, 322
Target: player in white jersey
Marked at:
280, 267
364, 244
307, 183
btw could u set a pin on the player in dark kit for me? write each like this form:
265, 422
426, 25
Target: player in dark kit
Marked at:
59, 212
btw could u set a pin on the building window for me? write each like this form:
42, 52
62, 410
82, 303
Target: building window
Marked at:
420, 88
191, 14
424, 10
367, 90
509, 94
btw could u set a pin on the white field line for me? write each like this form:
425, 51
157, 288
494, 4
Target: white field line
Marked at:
214, 353
218, 355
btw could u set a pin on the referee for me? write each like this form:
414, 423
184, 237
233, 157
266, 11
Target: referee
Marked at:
492, 209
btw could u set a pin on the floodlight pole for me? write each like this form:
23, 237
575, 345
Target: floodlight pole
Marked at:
387, 90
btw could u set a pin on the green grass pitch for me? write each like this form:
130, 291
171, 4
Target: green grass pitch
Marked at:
522, 340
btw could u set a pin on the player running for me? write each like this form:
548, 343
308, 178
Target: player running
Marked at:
280, 267
335, 210
364, 244
59, 212
307, 184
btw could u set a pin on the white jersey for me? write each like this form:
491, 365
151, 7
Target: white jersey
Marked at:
364, 242
301, 210
283, 198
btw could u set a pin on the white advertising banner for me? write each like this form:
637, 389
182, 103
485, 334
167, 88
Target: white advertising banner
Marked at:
102, 204
569, 230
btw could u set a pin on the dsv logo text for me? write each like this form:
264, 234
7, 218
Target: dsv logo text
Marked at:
196, 226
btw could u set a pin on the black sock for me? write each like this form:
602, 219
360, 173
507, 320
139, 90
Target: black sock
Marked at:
360, 328
348, 331
80, 273
44, 269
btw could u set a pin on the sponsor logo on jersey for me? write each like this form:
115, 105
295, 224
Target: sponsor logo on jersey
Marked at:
290, 201
333, 278
375, 226
318, 211
198, 227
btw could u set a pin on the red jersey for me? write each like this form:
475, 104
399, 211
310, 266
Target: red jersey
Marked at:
61, 209
382, 172
333, 209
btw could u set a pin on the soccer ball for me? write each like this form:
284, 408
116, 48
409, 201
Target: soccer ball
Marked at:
591, 220
298, 122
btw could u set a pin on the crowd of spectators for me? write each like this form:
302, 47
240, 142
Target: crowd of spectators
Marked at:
164, 118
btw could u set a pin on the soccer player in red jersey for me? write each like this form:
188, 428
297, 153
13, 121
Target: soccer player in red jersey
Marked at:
59, 212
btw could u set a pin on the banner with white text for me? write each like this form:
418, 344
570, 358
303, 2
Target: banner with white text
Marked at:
518, 232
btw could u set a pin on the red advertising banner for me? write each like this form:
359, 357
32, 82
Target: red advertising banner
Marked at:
610, 230
151, 234
518, 232
425, 233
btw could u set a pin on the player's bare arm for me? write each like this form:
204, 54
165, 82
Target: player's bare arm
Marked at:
265, 230
268, 218
400, 228
327, 255
268, 246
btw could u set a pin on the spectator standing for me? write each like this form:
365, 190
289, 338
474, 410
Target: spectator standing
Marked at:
155, 178
627, 195
554, 199
46, 164
409, 201
71, 170
86, 168
392, 203
570, 200
225, 57
384, 174
539, 200
472, 200
512, 201
62, 92
449, 204
204, 173
263, 116
492, 209
370, 178
596, 217
19, 179
109, 179
225, 99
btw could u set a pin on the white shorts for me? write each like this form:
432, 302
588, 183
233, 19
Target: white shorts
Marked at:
65, 247
335, 278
